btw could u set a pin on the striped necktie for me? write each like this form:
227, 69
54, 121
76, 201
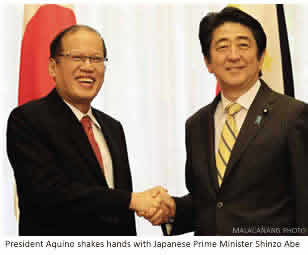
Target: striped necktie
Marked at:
227, 140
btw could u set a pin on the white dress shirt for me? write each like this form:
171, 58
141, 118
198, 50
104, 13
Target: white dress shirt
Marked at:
244, 100
101, 142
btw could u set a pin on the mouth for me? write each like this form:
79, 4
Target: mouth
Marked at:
86, 80
235, 68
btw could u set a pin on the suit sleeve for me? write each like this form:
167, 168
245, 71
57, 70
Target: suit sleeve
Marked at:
47, 185
183, 222
298, 149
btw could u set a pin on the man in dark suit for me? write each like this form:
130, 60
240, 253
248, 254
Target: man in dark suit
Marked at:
246, 169
70, 160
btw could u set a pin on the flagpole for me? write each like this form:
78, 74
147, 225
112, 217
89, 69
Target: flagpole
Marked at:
285, 52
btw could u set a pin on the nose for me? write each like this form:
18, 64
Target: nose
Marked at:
234, 53
87, 65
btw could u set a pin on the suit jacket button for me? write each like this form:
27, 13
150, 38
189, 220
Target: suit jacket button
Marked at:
220, 204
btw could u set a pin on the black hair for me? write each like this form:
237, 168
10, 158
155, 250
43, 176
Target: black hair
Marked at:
229, 14
56, 44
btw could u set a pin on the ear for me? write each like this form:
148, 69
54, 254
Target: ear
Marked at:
261, 61
52, 68
208, 64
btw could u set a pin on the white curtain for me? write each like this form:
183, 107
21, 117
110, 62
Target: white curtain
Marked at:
156, 78
11, 22
297, 21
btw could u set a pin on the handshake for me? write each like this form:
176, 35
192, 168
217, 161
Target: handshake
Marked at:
154, 204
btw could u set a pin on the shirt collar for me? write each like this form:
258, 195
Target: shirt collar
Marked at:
244, 100
79, 115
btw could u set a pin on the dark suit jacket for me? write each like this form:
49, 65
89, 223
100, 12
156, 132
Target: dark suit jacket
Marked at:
60, 185
265, 189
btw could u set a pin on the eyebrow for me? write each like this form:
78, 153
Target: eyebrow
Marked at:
81, 52
242, 37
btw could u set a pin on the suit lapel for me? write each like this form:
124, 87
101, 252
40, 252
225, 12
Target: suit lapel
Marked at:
71, 131
257, 117
208, 124
110, 139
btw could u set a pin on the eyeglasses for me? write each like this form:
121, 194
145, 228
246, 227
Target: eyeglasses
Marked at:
77, 57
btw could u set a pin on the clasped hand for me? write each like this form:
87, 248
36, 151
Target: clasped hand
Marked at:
154, 204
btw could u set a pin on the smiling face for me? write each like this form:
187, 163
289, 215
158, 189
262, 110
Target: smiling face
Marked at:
233, 58
78, 82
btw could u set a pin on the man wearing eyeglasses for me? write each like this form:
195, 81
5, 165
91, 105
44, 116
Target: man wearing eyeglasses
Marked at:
70, 160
